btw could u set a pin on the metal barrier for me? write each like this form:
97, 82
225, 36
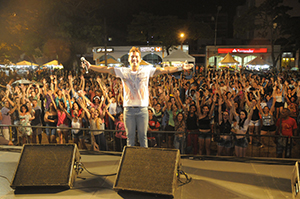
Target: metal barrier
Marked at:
166, 139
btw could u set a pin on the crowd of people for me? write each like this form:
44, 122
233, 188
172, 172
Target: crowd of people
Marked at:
233, 109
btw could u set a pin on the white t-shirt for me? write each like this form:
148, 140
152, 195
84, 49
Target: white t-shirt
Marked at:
135, 85
112, 109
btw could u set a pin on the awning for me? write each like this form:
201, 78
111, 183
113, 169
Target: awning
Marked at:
26, 63
22, 81
258, 62
228, 59
144, 63
54, 64
179, 55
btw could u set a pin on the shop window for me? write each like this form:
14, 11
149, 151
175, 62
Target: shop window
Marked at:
239, 59
102, 58
211, 60
152, 59
124, 60
248, 59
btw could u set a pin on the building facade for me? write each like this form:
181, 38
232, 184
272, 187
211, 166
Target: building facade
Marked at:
150, 54
241, 53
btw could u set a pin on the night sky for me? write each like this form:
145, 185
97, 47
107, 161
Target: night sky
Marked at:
119, 13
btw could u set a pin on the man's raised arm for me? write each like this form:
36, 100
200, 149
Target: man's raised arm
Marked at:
99, 69
167, 70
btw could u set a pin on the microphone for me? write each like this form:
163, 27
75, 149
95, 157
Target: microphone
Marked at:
83, 60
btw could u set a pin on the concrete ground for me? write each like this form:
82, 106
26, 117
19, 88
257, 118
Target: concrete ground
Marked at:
212, 177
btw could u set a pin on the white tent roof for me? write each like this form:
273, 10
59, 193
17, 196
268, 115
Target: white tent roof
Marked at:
179, 55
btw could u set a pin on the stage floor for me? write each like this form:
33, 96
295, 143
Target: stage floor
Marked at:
212, 177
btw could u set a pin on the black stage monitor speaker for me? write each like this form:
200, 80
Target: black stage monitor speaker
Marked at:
150, 170
295, 181
52, 165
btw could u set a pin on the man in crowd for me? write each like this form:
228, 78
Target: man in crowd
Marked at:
37, 121
288, 127
5, 115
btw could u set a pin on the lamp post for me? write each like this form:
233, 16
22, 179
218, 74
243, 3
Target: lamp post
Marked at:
105, 43
182, 39
216, 28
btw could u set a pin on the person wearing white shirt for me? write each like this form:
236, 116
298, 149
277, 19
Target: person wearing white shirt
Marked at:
135, 80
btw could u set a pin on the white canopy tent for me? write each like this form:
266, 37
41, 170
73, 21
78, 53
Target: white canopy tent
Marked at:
179, 55
177, 58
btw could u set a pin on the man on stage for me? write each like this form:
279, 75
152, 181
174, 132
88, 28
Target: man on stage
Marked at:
135, 82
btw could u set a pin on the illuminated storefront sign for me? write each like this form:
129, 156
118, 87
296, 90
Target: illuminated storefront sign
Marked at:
150, 49
242, 50
102, 50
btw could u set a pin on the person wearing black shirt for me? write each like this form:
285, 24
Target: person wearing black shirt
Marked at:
192, 129
225, 121
37, 121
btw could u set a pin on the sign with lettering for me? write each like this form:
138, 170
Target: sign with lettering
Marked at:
151, 49
102, 50
242, 50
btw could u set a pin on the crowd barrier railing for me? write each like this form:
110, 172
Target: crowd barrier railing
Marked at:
167, 139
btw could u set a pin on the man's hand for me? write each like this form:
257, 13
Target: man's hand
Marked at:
85, 63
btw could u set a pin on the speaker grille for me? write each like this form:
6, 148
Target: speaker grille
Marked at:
148, 170
44, 165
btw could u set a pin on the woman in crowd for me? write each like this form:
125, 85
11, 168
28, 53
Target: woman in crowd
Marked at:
179, 138
225, 121
51, 120
192, 129
292, 102
120, 136
204, 125
255, 119
153, 125
25, 118
240, 128
268, 123
158, 112
62, 122
97, 126
279, 101
76, 122
168, 109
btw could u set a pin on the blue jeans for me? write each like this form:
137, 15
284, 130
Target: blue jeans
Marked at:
101, 141
136, 118
179, 143
50, 131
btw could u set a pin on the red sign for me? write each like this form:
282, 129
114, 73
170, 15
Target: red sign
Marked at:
158, 49
242, 50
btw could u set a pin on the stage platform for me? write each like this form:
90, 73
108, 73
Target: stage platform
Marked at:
212, 177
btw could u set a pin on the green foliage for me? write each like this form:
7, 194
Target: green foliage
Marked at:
53, 28
270, 20
263, 18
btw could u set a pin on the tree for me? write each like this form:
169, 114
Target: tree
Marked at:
269, 20
57, 29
